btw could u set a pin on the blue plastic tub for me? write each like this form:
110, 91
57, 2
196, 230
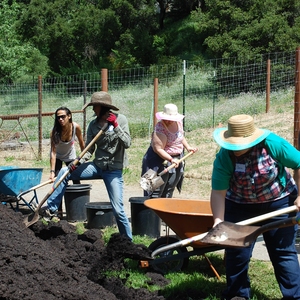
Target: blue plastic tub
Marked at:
15, 180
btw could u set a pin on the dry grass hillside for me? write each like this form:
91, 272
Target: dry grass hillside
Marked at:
198, 166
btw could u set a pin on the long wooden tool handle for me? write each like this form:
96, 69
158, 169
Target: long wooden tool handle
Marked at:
267, 216
245, 222
75, 162
174, 164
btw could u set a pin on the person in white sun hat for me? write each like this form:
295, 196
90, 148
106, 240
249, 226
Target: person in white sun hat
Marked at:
250, 178
166, 147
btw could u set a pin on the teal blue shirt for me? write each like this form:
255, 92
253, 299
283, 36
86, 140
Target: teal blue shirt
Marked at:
280, 150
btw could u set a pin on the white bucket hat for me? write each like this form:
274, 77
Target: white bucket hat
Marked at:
241, 133
170, 113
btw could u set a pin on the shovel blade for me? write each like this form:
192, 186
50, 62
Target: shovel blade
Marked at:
157, 182
31, 219
234, 235
150, 181
150, 174
231, 235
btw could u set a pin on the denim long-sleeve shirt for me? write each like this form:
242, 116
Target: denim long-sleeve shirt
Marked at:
110, 147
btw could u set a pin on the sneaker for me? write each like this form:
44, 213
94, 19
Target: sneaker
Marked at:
47, 215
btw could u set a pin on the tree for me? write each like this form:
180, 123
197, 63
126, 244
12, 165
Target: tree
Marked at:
16, 56
80, 36
246, 29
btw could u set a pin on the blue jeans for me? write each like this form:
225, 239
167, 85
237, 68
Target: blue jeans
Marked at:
113, 180
280, 245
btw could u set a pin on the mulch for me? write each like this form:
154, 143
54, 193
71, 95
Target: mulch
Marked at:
54, 262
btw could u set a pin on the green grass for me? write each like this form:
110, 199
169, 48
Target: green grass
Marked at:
198, 281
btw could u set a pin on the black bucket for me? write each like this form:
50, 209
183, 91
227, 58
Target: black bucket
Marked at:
99, 215
144, 221
76, 196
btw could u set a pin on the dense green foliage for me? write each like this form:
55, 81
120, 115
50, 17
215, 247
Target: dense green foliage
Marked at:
49, 37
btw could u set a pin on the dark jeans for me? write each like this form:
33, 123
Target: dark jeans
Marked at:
280, 244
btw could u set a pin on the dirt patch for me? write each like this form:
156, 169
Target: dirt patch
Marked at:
54, 262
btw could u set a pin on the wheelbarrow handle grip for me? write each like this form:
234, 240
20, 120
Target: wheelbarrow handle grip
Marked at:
174, 164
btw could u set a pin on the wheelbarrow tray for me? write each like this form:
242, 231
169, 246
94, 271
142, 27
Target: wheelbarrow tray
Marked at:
15, 180
187, 218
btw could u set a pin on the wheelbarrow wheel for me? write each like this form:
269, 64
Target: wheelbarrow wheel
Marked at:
172, 265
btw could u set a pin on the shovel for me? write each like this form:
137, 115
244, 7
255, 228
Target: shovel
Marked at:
201, 236
150, 181
33, 218
234, 235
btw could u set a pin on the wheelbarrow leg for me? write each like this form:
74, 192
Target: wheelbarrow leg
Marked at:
212, 267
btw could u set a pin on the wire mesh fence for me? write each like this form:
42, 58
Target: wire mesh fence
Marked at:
207, 92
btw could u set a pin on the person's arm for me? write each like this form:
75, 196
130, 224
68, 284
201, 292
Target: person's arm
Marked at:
159, 142
297, 180
188, 147
79, 136
121, 128
217, 203
52, 160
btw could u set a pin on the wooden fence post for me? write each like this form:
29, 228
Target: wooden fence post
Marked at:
104, 83
297, 100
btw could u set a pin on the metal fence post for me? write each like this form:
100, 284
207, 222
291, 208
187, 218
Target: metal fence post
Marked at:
183, 93
40, 110
155, 101
268, 87
297, 100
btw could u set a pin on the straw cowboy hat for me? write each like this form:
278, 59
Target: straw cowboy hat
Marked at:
170, 113
240, 134
101, 98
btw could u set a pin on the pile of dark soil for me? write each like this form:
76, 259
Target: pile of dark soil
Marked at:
53, 262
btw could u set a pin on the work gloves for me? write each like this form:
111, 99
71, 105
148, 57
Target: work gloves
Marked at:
72, 167
112, 119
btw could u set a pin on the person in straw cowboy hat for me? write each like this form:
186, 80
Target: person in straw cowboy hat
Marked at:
250, 178
166, 147
109, 161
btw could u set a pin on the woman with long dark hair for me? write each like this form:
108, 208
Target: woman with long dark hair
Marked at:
63, 140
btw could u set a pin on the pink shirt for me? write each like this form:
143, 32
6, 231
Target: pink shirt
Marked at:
174, 144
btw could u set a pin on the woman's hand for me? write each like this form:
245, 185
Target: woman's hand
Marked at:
191, 149
297, 202
52, 175
175, 161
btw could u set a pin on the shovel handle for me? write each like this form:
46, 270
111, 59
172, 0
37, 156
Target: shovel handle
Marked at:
272, 214
198, 237
174, 164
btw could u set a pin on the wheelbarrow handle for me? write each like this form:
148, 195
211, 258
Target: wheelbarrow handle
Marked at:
173, 165
34, 188
198, 237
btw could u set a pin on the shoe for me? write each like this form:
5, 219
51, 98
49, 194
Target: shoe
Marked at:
60, 214
47, 215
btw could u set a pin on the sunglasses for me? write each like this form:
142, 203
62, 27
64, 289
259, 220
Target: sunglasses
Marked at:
61, 117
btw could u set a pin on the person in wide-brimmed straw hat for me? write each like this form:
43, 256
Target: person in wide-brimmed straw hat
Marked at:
167, 145
109, 161
102, 99
250, 178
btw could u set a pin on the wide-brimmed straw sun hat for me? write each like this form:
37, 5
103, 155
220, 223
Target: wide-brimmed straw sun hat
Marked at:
240, 134
101, 98
170, 113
